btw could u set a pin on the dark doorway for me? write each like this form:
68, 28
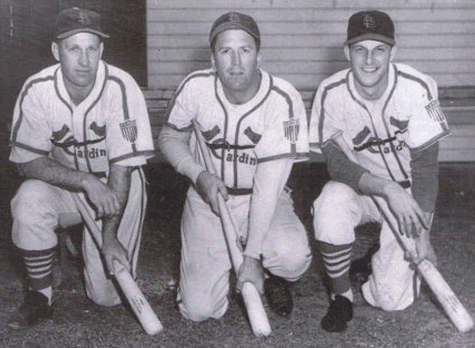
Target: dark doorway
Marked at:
25, 40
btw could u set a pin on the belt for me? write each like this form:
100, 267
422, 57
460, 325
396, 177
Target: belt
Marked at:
239, 191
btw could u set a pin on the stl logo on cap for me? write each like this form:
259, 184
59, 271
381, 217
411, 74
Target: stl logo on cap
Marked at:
369, 22
82, 18
234, 17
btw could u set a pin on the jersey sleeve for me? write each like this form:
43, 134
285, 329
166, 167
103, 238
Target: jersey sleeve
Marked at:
182, 107
428, 123
31, 133
129, 137
286, 132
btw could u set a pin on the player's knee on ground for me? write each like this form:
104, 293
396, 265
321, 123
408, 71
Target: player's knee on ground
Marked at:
389, 300
334, 214
200, 309
100, 289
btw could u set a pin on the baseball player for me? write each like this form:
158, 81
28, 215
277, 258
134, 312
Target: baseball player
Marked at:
78, 126
389, 116
255, 127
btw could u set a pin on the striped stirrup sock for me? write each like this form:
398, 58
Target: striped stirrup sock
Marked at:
39, 265
336, 259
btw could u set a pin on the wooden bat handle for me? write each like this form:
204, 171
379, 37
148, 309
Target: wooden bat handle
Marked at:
137, 301
252, 300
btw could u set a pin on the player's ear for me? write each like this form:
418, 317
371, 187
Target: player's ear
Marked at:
213, 61
55, 50
346, 50
101, 49
392, 53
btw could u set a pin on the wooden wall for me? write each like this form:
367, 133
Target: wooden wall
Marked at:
302, 42
302, 39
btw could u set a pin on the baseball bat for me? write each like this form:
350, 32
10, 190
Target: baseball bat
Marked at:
137, 301
452, 306
252, 300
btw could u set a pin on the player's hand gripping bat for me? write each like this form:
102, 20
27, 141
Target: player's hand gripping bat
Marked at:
252, 300
444, 294
137, 301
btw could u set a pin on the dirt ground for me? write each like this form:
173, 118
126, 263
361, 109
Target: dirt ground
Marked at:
77, 322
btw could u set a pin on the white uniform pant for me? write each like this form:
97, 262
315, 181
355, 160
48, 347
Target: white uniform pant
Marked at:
39, 208
393, 284
205, 263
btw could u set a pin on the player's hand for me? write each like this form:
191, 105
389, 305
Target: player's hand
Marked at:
209, 186
103, 198
251, 271
410, 217
424, 249
113, 250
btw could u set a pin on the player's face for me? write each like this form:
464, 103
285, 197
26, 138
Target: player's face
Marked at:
79, 56
370, 61
236, 60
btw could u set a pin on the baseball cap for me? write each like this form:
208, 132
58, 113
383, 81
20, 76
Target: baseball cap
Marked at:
234, 20
76, 20
370, 25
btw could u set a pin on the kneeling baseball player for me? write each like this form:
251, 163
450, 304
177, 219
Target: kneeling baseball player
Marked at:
254, 126
388, 116
79, 126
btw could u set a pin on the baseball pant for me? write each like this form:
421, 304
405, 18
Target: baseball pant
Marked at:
39, 208
393, 284
205, 264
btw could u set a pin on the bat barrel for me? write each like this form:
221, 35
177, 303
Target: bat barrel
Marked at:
144, 313
454, 309
255, 311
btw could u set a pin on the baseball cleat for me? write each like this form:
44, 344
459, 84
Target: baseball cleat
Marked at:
278, 295
32, 311
338, 315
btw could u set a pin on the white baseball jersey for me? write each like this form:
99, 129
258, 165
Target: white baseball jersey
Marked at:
110, 126
407, 117
271, 126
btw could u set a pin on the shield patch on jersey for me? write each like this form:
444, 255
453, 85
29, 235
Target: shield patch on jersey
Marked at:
129, 130
291, 130
435, 111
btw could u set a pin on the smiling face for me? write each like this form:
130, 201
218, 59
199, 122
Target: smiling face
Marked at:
79, 56
236, 60
370, 61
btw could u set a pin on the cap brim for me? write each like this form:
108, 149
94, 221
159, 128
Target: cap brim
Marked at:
371, 36
75, 31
